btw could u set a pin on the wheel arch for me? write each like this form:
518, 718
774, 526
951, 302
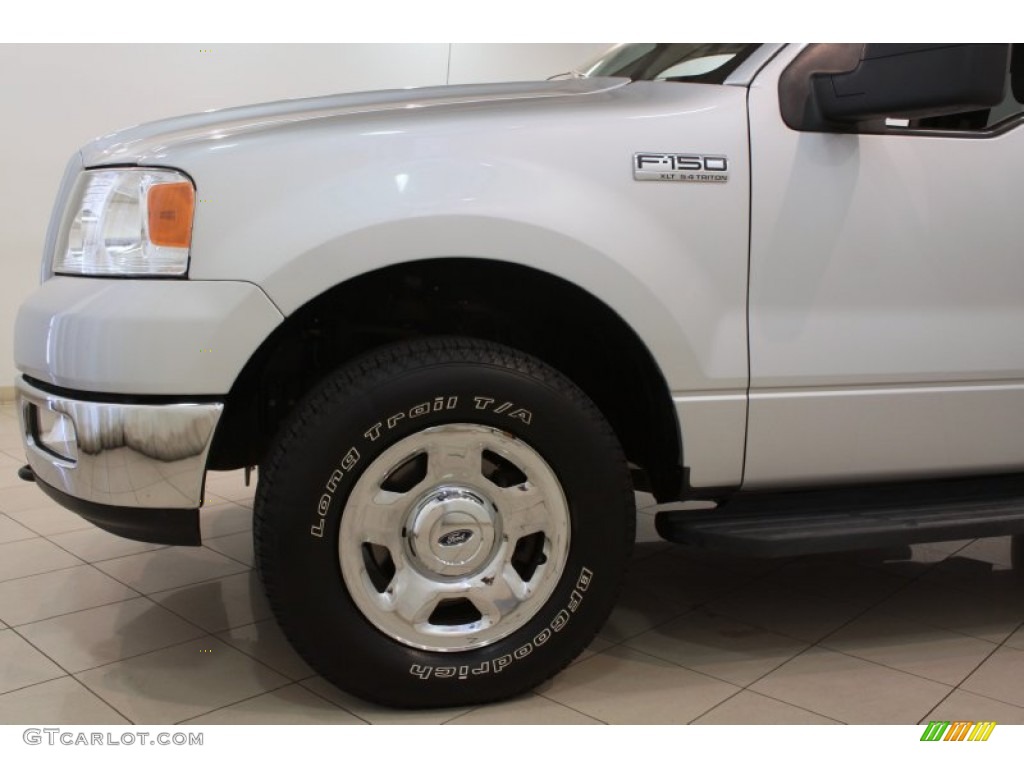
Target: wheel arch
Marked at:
522, 307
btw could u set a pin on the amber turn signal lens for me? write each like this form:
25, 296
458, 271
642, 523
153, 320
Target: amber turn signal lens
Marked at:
170, 214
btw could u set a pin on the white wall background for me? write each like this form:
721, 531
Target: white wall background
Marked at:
54, 98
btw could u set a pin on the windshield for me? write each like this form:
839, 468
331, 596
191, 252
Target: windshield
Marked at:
683, 62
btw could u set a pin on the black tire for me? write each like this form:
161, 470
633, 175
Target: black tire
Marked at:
1017, 553
354, 605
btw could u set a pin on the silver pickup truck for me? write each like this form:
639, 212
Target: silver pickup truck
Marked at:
455, 328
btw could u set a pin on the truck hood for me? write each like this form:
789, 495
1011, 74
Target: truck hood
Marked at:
149, 141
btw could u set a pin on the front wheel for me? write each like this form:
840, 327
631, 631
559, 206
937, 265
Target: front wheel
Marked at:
442, 523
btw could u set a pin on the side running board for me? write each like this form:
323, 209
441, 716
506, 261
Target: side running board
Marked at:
863, 517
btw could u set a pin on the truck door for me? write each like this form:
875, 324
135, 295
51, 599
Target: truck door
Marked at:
886, 291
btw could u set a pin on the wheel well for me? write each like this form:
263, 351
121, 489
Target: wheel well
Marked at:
524, 308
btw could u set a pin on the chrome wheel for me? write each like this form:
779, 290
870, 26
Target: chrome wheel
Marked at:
443, 522
454, 537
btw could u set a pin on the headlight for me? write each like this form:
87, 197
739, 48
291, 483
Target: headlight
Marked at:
127, 221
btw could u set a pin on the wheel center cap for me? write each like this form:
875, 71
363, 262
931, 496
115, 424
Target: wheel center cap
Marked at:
452, 531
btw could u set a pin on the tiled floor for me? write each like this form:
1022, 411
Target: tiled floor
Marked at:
97, 629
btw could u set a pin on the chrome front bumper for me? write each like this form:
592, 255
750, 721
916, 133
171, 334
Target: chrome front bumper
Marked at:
136, 457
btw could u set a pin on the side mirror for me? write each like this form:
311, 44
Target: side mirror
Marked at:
903, 80
832, 86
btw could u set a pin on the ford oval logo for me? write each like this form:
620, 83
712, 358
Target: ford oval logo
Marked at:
454, 538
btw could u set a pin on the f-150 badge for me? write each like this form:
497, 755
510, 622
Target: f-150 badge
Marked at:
662, 166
